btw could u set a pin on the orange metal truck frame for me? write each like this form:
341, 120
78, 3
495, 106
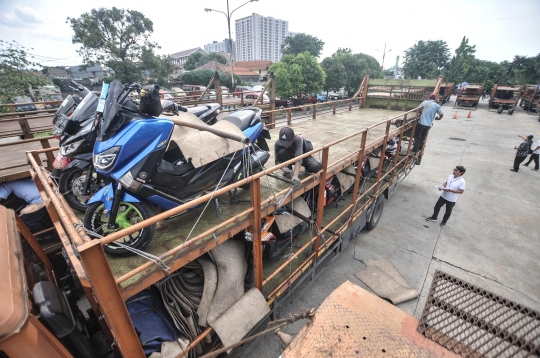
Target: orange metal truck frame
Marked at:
110, 295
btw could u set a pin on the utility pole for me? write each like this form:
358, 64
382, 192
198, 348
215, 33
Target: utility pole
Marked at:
384, 54
228, 16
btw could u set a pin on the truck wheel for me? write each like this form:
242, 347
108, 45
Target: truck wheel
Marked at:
376, 213
128, 215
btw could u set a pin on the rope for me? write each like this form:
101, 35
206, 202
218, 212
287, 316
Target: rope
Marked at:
141, 253
212, 197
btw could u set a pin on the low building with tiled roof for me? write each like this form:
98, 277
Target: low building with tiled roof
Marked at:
244, 73
260, 67
180, 58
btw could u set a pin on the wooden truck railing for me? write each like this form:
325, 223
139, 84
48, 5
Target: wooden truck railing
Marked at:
107, 292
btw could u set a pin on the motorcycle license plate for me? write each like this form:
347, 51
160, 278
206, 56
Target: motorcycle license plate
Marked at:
60, 125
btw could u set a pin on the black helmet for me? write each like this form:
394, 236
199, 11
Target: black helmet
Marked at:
150, 101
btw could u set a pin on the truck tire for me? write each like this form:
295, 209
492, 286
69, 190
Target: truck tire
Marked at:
376, 213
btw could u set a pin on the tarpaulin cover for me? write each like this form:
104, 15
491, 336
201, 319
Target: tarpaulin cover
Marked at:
205, 147
151, 320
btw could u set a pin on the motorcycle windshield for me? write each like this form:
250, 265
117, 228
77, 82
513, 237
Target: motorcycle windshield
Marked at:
65, 108
112, 107
86, 109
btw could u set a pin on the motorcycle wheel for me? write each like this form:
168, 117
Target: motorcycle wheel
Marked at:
65, 184
499, 110
128, 215
510, 112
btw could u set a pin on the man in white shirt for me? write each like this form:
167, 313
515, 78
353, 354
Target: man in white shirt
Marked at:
454, 185
534, 156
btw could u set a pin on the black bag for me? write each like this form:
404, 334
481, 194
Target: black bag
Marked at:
308, 146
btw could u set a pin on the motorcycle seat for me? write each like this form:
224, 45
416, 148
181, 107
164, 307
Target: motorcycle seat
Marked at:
168, 168
198, 110
242, 119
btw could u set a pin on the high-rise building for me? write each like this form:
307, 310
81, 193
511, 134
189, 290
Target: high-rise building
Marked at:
222, 46
260, 38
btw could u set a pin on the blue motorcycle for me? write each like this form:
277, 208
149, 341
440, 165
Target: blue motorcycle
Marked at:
149, 171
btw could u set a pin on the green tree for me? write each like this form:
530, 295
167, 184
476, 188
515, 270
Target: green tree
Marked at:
157, 68
427, 59
297, 74
487, 71
295, 45
198, 59
336, 75
356, 67
462, 62
199, 77
114, 37
15, 75
523, 70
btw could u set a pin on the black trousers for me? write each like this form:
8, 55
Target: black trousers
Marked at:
419, 136
517, 162
535, 158
311, 164
439, 204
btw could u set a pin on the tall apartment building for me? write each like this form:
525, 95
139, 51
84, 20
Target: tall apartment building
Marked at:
260, 38
222, 46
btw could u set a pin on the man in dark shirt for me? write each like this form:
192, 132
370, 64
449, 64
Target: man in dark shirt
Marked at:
522, 151
289, 146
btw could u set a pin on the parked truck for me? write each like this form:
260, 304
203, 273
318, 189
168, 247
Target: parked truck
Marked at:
76, 300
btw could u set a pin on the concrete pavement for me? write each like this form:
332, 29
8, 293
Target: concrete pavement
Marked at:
492, 238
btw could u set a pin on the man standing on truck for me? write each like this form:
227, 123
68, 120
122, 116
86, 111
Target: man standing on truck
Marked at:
289, 146
454, 185
429, 110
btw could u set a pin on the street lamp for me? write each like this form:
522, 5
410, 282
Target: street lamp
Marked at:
384, 54
228, 16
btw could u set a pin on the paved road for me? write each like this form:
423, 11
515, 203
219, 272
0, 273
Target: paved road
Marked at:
491, 239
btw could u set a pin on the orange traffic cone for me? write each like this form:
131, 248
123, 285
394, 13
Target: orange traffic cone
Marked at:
469, 115
455, 116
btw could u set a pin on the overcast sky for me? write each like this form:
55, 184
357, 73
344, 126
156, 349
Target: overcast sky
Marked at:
500, 29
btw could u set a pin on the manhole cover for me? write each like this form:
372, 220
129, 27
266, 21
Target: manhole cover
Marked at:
453, 138
474, 322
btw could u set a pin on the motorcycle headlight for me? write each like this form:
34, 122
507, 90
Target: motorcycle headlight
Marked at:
105, 160
70, 148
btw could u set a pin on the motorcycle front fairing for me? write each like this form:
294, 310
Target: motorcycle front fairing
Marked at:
106, 196
134, 143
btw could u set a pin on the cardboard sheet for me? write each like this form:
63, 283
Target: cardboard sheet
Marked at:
287, 222
382, 277
191, 141
238, 320
346, 181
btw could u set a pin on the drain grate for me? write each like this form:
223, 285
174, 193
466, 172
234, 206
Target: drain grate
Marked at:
474, 322
460, 139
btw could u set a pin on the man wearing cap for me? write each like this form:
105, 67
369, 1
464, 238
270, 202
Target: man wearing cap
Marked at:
429, 110
289, 146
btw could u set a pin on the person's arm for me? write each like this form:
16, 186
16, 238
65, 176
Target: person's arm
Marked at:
459, 190
440, 112
522, 137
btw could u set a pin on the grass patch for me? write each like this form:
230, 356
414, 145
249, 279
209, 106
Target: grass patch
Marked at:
43, 134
